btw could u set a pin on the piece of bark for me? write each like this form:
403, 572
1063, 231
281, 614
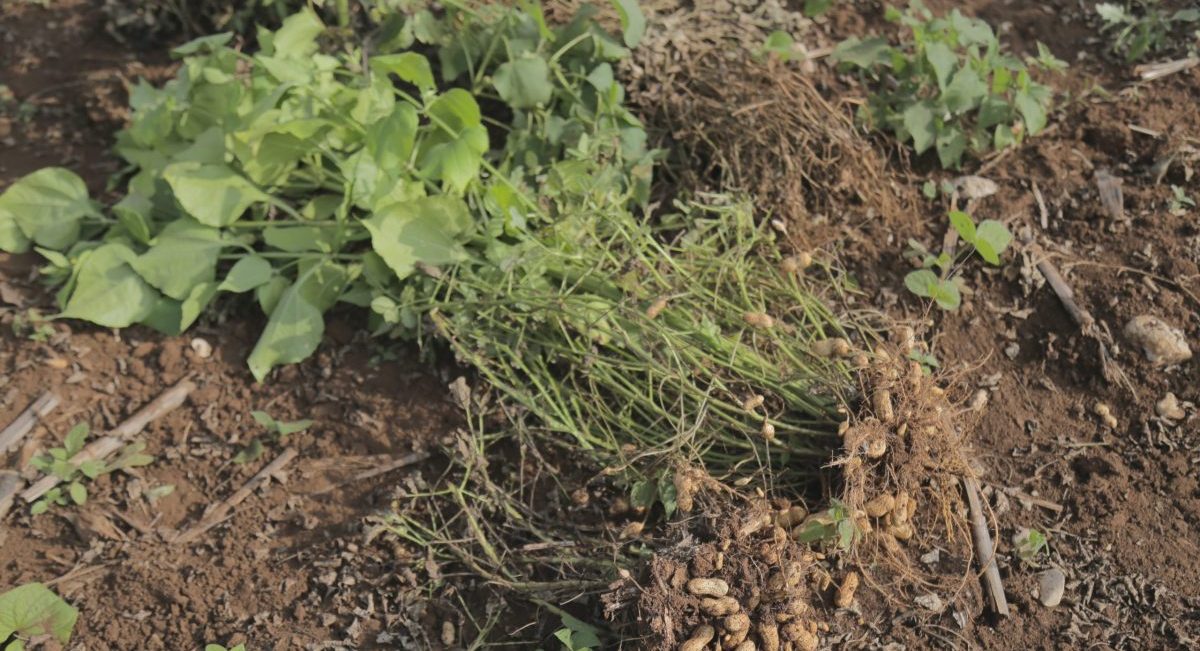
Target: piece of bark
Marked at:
985, 550
217, 513
23, 424
119, 435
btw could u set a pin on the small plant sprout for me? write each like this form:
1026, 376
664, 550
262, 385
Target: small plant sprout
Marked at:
1180, 201
780, 44
1146, 31
278, 428
939, 278
948, 86
57, 462
835, 526
33, 326
577, 635
1029, 544
32, 611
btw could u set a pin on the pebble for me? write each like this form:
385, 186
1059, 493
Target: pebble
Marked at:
1051, 585
930, 602
202, 348
1169, 407
1163, 344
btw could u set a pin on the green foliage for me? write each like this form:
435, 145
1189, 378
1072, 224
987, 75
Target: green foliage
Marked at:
32, 325
835, 526
1180, 201
32, 610
1141, 27
72, 475
276, 428
577, 635
310, 180
949, 86
938, 278
1030, 544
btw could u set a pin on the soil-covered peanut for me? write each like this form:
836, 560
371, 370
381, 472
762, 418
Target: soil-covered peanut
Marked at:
699, 639
768, 634
802, 635
720, 606
845, 592
791, 517
737, 622
880, 505
708, 587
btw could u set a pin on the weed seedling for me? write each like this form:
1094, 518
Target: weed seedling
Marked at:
276, 428
939, 278
31, 611
33, 326
836, 525
1144, 30
1180, 201
57, 462
1030, 544
949, 86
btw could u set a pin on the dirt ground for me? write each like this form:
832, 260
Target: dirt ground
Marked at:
1120, 505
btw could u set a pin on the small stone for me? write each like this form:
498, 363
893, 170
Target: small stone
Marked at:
1169, 407
930, 602
1012, 350
202, 348
1051, 585
975, 187
931, 558
1163, 344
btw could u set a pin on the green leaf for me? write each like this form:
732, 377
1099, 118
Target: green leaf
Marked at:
991, 240
75, 438
1032, 112
39, 507
921, 282
951, 143
252, 451
814, 8
108, 291
455, 110
214, 194
918, 121
47, 206
183, 255
133, 212
455, 161
78, 493
1113, 13
862, 53
965, 226
390, 140
269, 293
642, 494
943, 61
601, 77
965, 92
203, 44
408, 66
12, 238
633, 22
296, 325
299, 238
31, 610
286, 428
263, 418
946, 295
297, 38
780, 43
246, 274
92, 468
524, 83
422, 230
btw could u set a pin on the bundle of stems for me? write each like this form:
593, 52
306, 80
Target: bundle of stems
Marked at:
693, 338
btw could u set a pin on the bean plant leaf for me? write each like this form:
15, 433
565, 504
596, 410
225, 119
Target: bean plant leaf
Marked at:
390, 140
419, 231
213, 194
524, 83
633, 21
921, 282
47, 206
108, 291
32, 610
864, 53
408, 66
962, 223
181, 257
246, 274
991, 240
78, 493
943, 61
1032, 111
918, 120
286, 428
75, 438
292, 334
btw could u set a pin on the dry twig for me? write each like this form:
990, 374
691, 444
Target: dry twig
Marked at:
217, 513
23, 423
985, 550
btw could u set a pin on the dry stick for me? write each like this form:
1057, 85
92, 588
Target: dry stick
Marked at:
119, 435
1154, 71
217, 513
23, 424
985, 550
394, 464
10, 483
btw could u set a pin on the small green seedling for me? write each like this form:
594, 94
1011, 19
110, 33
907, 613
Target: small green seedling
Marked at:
779, 44
33, 326
279, 428
948, 86
57, 462
835, 525
1180, 201
938, 278
577, 635
1145, 31
31, 611
218, 647
1029, 544
643, 494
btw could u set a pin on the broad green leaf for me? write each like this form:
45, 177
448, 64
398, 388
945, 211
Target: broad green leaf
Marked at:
962, 223
642, 494
108, 291
941, 58
524, 83
455, 110
633, 22
601, 77
133, 212
390, 140
1112, 13
31, 610
78, 493
252, 451
918, 121
455, 161
75, 438
286, 428
47, 206
921, 282
172, 317
92, 468
203, 44
39, 507
297, 38
965, 92
300, 238
269, 293
779, 43
994, 111
1032, 112
214, 194
945, 293
12, 238
292, 334
183, 255
991, 240
246, 274
419, 231
951, 143
862, 53
263, 418
408, 66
